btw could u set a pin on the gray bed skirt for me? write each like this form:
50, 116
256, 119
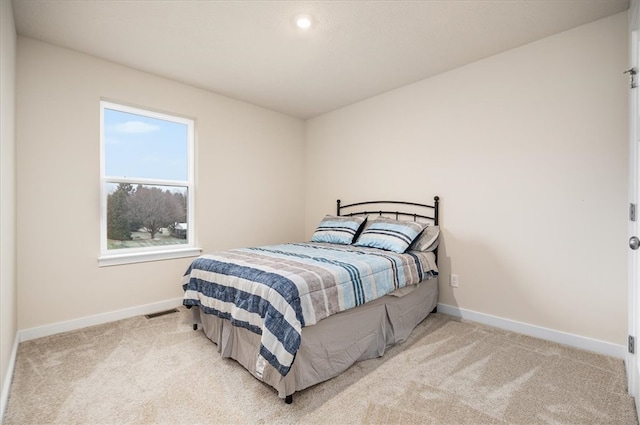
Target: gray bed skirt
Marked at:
331, 346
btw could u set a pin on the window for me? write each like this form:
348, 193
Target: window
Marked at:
146, 185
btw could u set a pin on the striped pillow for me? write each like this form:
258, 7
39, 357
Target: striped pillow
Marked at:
427, 241
390, 235
336, 229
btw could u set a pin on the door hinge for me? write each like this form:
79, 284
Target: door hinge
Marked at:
632, 345
632, 212
633, 72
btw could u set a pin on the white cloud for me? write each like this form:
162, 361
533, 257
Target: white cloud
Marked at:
134, 127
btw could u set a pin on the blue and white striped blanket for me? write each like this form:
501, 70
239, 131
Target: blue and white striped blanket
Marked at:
275, 291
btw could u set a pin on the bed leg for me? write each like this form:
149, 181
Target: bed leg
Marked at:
289, 399
195, 326
435, 309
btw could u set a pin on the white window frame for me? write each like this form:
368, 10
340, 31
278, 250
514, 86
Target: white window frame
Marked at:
136, 255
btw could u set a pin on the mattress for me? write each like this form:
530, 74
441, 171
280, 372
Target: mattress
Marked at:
332, 345
275, 291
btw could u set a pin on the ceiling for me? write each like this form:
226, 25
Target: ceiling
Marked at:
252, 50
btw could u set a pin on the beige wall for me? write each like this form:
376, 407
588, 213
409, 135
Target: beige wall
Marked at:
8, 312
528, 152
249, 182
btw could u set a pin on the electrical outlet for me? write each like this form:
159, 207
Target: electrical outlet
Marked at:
454, 280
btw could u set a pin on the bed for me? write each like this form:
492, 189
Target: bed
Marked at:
298, 314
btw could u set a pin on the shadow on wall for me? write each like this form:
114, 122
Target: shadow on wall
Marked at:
485, 278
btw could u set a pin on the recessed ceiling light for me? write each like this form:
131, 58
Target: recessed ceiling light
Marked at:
303, 21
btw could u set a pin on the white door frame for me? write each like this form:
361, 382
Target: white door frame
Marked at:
633, 377
633, 372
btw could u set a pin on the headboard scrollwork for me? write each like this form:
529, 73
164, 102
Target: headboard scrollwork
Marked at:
398, 214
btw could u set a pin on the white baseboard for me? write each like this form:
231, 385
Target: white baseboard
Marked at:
6, 385
98, 319
584, 343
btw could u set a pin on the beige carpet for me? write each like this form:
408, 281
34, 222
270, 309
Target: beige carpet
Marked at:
160, 371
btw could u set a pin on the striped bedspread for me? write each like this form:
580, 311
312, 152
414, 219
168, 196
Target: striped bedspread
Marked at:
275, 291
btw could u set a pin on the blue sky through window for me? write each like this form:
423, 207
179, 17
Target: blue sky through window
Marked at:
136, 146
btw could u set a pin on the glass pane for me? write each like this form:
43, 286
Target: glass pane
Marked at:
141, 216
144, 147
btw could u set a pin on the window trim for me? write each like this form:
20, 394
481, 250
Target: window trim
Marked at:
162, 252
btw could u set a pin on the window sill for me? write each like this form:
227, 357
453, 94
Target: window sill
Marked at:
143, 257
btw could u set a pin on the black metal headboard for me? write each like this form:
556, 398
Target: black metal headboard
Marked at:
397, 214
